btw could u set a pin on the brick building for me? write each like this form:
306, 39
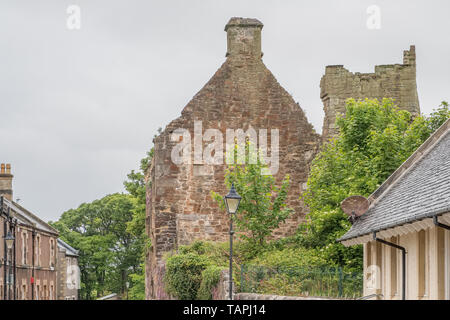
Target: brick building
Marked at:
28, 268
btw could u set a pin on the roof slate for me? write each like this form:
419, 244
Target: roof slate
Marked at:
422, 191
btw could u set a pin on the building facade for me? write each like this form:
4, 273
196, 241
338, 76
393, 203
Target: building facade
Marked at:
28, 267
409, 218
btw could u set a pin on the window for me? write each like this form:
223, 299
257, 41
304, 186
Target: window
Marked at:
24, 255
37, 292
52, 252
38, 250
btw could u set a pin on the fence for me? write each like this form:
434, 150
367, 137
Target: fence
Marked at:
296, 281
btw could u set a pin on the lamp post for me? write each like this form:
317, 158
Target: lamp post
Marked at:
232, 200
9, 240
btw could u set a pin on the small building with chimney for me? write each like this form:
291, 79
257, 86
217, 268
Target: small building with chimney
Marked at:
406, 230
28, 249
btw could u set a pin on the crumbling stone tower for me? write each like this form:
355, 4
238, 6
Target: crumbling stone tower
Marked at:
242, 94
397, 81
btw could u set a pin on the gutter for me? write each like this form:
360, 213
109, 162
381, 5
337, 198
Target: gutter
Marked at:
399, 223
403, 250
440, 225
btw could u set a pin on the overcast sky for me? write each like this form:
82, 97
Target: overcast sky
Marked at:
79, 108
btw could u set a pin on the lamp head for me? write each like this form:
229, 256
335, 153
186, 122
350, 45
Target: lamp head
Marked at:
232, 200
9, 239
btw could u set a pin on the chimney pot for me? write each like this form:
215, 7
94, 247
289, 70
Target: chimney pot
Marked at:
3, 168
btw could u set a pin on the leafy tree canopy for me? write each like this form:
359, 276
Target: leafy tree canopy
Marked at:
107, 250
374, 140
263, 206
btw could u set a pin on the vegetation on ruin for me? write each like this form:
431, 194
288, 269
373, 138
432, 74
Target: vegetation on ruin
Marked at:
263, 206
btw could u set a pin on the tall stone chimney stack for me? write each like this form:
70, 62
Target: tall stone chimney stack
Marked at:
6, 181
244, 37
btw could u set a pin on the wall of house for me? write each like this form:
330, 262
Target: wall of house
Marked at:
44, 286
427, 266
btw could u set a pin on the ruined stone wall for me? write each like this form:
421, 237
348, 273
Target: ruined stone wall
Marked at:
397, 81
243, 93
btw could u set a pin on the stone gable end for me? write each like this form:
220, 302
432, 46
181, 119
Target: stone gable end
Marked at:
243, 93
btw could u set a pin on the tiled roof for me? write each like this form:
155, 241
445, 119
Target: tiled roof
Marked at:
420, 188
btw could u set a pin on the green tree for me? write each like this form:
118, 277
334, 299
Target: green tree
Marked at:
374, 140
136, 186
108, 252
263, 206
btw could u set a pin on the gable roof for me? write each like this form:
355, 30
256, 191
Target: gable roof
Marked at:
418, 189
27, 218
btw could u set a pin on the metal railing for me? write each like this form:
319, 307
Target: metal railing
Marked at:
297, 281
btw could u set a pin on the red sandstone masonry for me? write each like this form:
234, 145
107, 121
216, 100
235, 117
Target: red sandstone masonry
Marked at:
242, 93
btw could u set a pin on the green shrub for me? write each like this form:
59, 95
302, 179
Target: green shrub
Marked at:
184, 274
290, 257
210, 278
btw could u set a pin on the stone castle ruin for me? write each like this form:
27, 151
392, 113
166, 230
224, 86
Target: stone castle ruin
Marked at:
396, 81
243, 94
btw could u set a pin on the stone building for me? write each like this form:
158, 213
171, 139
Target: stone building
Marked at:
242, 94
27, 270
396, 81
411, 209
68, 272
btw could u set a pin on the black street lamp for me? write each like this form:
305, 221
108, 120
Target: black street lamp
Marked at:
232, 200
